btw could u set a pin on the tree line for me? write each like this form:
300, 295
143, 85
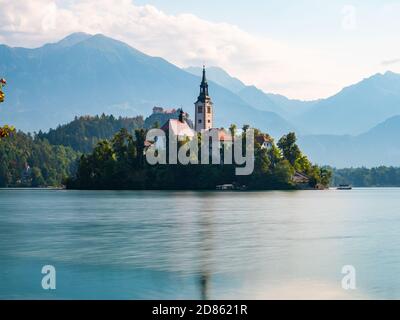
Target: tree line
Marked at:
83, 133
120, 163
104, 152
27, 161
367, 177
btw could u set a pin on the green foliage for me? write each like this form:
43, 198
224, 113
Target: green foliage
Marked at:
120, 164
30, 162
84, 133
318, 177
113, 158
363, 177
289, 148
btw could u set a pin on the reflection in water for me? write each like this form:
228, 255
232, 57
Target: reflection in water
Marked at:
204, 283
191, 245
206, 246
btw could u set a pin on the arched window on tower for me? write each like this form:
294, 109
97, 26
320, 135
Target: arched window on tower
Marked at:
209, 109
200, 109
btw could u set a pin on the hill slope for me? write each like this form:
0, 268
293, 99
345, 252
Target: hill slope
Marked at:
83, 133
357, 108
378, 146
220, 77
286, 108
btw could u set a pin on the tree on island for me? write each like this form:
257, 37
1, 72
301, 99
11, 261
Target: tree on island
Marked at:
300, 163
120, 164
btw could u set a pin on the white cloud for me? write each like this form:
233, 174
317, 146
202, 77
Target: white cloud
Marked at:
349, 21
183, 39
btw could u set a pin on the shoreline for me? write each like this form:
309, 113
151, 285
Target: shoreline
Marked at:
195, 190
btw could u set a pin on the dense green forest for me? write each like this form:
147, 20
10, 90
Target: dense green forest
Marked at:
83, 133
47, 159
120, 163
112, 158
363, 177
104, 152
27, 161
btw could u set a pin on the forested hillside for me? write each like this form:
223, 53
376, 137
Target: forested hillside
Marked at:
84, 133
104, 152
26, 161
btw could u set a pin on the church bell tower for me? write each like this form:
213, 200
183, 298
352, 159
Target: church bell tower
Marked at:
203, 107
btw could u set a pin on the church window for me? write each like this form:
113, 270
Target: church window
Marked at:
200, 109
209, 109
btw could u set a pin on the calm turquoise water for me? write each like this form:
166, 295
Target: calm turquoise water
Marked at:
193, 245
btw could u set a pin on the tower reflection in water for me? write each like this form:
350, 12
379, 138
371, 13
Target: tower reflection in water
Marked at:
206, 240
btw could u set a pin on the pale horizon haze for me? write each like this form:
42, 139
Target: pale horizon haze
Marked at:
305, 49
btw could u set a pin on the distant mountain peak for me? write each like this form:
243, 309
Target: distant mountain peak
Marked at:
391, 73
387, 75
98, 42
73, 39
388, 124
92, 74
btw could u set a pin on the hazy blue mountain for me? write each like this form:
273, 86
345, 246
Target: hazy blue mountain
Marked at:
70, 40
220, 77
376, 147
286, 108
258, 99
353, 110
356, 108
292, 107
84, 74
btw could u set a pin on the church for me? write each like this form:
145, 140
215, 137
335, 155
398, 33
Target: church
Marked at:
204, 117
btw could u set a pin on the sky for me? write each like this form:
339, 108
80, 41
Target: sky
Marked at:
304, 49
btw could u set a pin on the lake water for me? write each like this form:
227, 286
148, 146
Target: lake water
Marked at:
200, 245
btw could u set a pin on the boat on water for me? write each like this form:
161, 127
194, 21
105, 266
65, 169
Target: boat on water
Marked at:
345, 187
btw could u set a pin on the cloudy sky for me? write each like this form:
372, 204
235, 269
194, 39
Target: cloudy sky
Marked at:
303, 49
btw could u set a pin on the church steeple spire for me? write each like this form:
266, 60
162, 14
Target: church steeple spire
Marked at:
204, 80
204, 107
203, 86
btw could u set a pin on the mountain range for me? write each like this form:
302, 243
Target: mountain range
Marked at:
92, 74
376, 147
356, 108
84, 74
286, 108
357, 127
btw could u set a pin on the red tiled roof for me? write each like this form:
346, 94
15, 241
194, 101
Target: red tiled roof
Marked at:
224, 135
178, 128
263, 138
